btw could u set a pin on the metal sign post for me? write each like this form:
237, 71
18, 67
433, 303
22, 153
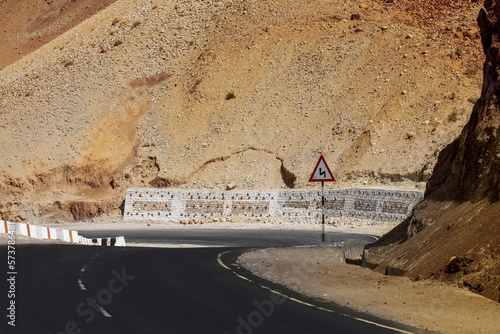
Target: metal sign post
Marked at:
323, 213
322, 174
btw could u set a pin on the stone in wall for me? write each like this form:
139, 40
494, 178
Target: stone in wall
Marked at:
335, 204
395, 207
361, 204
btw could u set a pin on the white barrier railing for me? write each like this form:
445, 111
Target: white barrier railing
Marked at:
42, 232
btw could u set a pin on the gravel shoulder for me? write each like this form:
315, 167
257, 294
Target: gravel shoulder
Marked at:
350, 225
317, 272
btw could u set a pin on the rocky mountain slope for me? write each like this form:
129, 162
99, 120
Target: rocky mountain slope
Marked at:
202, 94
454, 234
29, 24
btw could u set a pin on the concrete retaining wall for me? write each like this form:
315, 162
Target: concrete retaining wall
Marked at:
295, 206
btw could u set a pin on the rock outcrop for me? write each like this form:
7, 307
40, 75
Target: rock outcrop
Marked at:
469, 168
458, 220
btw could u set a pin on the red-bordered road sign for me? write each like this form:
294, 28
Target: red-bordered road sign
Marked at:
321, 172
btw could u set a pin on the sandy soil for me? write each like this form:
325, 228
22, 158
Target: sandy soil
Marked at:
425, 304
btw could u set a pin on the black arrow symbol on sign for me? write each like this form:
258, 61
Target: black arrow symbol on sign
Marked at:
322, 173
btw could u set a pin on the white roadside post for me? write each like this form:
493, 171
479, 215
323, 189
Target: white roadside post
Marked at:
322, 174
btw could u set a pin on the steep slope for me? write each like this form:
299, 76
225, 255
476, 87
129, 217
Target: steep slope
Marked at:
137, 95
29, 24
454, 234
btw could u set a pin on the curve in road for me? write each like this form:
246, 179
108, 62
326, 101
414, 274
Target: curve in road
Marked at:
82, 289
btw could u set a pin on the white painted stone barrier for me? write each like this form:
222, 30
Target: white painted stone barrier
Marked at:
120, 241
70, 236
297, 206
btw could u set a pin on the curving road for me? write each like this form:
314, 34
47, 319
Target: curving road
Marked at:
227, 238
82, 289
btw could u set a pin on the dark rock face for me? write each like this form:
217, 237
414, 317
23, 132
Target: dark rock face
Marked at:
469, 168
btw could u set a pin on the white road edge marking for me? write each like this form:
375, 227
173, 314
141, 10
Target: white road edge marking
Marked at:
219, 260
80, 283
103, 311
99, 307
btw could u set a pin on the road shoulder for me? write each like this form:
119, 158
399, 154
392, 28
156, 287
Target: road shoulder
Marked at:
423, 304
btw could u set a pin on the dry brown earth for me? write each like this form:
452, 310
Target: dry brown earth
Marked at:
136, 96
29, 24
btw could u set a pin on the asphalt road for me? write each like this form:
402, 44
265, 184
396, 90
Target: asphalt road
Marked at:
90, 289
227, 238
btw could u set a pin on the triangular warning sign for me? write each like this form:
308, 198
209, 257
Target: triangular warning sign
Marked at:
322, 172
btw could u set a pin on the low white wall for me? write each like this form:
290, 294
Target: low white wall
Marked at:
42, 232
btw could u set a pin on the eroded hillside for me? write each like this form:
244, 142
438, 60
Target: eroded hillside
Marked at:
203, 94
